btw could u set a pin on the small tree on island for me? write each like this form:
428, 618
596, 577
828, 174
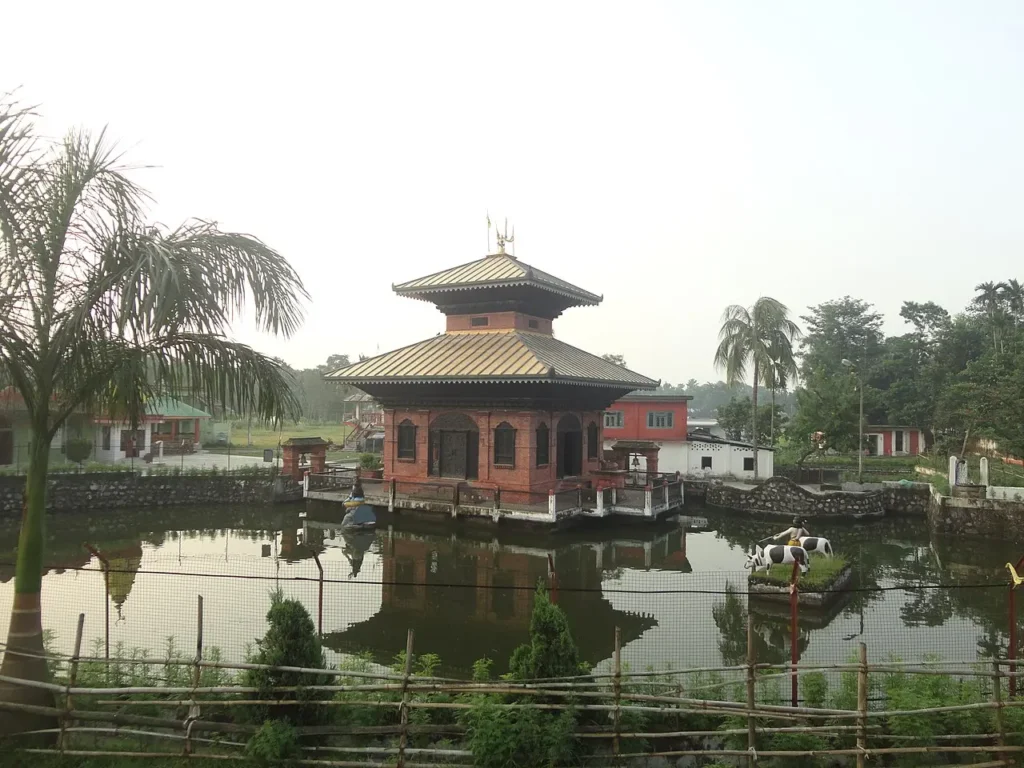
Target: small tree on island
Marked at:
101, 310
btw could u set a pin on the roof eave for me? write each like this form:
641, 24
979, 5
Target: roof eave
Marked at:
583, 298
539, 379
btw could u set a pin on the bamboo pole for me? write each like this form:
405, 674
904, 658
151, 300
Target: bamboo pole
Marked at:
403, 738
616, 717
751, 697
997, 692
862, 705
194, 710
72, 677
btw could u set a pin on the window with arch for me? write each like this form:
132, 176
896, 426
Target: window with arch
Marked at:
504, 445
407, 441
592, 440
543, 445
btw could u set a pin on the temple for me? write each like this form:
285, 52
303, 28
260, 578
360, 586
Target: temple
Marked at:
496, 401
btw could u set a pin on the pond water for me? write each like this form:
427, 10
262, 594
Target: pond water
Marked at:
677, 595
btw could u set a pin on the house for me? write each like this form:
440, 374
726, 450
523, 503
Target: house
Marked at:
496, 401
167, 422
656, 425
884, 440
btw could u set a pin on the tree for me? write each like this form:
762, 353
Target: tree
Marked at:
842, 329
615, 359
989, 302
757, 336
735, 418
101, 311
827, 405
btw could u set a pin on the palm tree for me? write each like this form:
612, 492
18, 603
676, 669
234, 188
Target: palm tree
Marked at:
990, 297
779, 372
762, 336
100, 311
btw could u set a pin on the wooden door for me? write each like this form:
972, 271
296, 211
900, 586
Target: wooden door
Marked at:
453, 454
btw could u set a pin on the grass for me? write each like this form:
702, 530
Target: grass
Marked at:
823, 571
263, 437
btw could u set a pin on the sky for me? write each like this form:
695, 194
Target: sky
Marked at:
674, 157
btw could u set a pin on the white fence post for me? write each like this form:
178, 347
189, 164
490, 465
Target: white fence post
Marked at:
648, 502
952, 471
600, 502
305, 484
552, 507
984, 470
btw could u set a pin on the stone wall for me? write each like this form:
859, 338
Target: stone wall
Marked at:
109, 490
780, 497
901, 498
992, 518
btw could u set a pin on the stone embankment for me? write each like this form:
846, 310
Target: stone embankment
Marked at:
114, 490
778, 496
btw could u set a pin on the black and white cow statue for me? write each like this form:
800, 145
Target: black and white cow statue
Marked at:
777, 554
816, 544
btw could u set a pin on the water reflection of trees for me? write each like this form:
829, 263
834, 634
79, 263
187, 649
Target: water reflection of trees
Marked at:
772, 635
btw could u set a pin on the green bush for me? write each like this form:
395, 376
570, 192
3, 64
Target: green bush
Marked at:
291, 641
78, 449
520, 738
275, 742
551, 651
370, 461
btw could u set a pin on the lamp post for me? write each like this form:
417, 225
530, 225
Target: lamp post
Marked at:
860, 432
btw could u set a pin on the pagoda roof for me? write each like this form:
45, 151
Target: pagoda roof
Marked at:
515, 356
496, 270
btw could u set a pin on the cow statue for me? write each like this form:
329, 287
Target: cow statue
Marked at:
816, 544
777, 554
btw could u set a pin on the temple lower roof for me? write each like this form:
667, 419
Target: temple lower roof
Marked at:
508, 356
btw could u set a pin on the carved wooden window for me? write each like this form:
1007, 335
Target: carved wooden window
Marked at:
407, 440
504, 445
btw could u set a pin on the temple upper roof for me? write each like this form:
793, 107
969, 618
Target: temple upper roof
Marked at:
498, 278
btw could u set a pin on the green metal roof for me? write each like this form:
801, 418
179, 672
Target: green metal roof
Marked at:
169, 408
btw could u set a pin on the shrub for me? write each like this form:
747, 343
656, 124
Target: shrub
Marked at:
274, 742
369, 461
291, 641
78, 449
525, 737
551, 651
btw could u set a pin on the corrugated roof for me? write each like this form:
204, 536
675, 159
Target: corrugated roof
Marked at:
495, 270
170, 408
507, 355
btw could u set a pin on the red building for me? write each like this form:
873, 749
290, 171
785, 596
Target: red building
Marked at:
496, 401
654, 416
884, 440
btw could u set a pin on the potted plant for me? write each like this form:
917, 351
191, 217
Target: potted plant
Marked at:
370, 466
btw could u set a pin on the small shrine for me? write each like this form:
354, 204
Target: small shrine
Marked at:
496, 401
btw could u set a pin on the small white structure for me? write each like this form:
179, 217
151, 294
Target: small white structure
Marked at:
703, 456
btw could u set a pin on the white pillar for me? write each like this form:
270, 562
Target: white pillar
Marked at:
305, 485
552, 509
984, 470
952, 471
600, 502
647, 555
648, 502
664, 494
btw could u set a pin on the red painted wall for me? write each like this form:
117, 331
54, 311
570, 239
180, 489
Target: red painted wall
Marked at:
525, 476
887, 440
915, 442
634, 420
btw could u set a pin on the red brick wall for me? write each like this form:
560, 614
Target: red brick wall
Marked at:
634, 420
498, 320
525, 476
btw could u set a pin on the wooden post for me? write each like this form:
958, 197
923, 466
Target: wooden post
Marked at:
72, 679
193, 710
320, 594
794, 625
617, 687
403, 738
751, 698
862, 705
997, 690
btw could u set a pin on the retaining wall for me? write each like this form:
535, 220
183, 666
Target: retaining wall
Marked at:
993, 518
108, 490
780, 497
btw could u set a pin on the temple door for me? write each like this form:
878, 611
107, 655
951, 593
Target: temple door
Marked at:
453, 454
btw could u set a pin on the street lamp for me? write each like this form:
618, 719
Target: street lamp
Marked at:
860, 441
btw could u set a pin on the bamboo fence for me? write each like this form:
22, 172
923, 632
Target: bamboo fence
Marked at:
79, 712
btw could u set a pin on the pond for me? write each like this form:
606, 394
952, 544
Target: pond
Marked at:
677, 595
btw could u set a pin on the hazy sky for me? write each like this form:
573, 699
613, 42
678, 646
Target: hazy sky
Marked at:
676, 157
